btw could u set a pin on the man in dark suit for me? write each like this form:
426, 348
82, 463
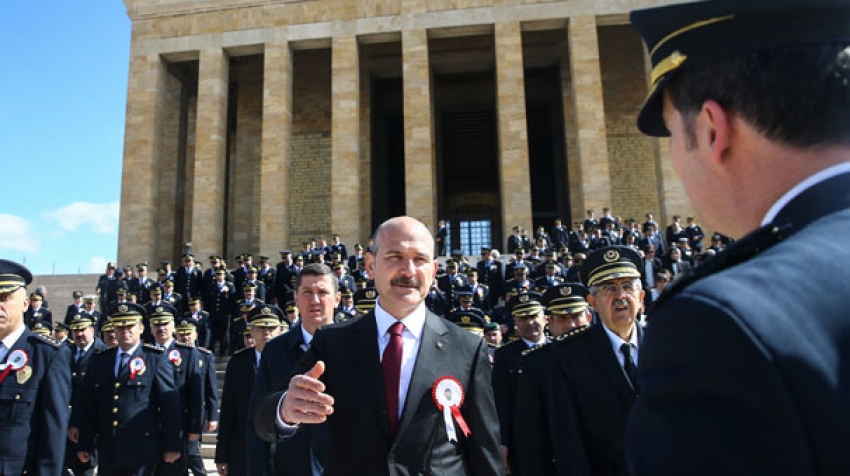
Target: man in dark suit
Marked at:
86, 344
530, 323
441, 237
186, 333
129, 409
316, 296
491, 274
594, 369
567, 310
188, 379
382, 371
755, 100
235, 433
36, 387
75, 307
188, 279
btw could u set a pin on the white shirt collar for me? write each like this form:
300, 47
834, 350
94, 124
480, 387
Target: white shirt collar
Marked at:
813, 180
10, 339
129, 352
617, 341
413, 322
532, 344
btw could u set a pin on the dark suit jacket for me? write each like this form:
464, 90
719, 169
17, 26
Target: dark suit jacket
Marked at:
238, 381
189, 377
754, 369
34, 410
359, 434
505, 375
589, 402
79, 370
532, 452
291, 455
134, 429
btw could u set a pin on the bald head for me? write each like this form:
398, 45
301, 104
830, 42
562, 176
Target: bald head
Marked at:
409, 225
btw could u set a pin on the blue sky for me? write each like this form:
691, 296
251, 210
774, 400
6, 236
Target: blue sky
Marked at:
62, 103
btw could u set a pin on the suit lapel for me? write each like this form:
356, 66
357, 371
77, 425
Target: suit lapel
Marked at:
432, 351
608, 364
370, 378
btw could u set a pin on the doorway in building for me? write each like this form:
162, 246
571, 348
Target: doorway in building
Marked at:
467, 159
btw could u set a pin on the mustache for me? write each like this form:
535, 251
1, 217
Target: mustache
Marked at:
621, 302
407, 281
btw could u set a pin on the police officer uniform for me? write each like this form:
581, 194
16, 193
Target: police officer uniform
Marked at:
130, 409
532, 414
34, 393
80, 360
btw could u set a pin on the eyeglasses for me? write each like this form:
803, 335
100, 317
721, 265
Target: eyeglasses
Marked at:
608, 289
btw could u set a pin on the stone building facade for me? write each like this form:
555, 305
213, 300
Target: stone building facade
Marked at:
254, 124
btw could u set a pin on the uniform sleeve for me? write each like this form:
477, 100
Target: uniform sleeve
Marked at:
195, 388
480, 413
55, 396
169, 404
565, 429
531, 418
500, 393
211, 390
85, 413
258, 446
712, 401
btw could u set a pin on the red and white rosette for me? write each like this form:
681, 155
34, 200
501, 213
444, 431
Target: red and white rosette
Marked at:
137, 367
448, 395
174, 357
17, 360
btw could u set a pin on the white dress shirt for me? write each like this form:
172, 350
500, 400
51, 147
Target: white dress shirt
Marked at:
10, 340
810, 182
617, 341
120, 352
411, 340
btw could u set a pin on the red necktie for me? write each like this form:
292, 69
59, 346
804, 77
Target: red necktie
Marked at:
391, 365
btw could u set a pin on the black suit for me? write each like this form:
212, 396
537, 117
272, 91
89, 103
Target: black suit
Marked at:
590, 401
230, 447
79, 369
34, 410
132, 420
353, 377
753, 369
292, 456
532, 451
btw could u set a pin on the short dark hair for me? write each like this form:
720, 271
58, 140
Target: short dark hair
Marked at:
795, 95
317, 269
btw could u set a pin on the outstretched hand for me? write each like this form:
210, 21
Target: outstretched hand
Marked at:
305, 400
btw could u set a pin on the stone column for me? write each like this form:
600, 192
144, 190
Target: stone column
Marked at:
420, 183
137, 233
345, 138
514, 172
589, 119
276, 149
208, 206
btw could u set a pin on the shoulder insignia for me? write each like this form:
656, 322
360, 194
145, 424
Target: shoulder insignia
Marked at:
533, 349
153, 348
204, 351
185, 346
101, 351
47, 340
492, 345
242, 350
574, 332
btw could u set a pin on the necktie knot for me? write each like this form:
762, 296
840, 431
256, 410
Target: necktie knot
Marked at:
397, 329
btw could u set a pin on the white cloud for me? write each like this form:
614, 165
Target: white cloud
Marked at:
95, 217
17, 234
96, 264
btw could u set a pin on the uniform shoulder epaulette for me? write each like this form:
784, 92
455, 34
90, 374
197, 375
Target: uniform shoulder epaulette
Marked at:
490, 344
101, 351
572, 333
531, 350
185, 346
242, 350
47, 340
153, 348
204, 351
